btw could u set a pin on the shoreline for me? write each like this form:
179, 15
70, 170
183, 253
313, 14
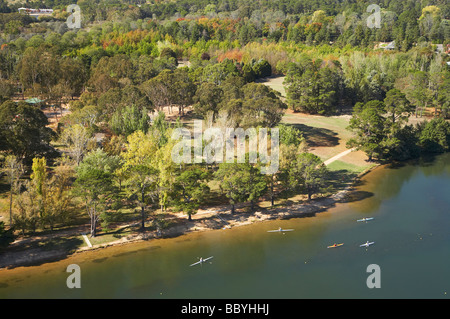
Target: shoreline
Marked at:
212, 219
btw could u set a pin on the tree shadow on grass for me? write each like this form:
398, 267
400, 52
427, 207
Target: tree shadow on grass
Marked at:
121, 231
318, 136
341, 179
39, 252
4, 186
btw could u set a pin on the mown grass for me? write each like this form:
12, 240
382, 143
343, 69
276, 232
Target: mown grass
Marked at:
276, 83
336, 124
352, 168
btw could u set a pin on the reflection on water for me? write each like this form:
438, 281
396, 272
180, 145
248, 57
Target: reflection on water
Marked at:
410, 205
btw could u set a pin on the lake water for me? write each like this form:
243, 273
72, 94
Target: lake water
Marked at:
411, 231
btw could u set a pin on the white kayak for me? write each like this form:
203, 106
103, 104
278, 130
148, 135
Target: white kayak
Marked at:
365, 219
279, 230
367, 244
201, 261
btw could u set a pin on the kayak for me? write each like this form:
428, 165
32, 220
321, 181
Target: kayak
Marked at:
279, 230
367, 244
335, 245
201, 261
366, 219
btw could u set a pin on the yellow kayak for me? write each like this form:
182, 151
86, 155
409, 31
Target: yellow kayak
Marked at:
335, 245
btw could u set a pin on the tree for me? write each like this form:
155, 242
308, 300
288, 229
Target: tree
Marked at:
165, 167
24, 131
231, 183
38, 68
160, 129
443, 95
261, 106
157, 91
7, 89
247, 73
292, 143
109, 102
217, 73
162, 89
313, 87
435, 136
73, 76
418, 91
6, 236
115, 99
262, 69
240, 182
94, 184
168, 53
47, 200
39, 175
9, 58
110, 72
133, 95
368, 124
59, 197
396, 113
190, 189
208, 98
28, 209
77, 138
39, 184
290, 135
256, 183
402, 143
429, 20
288, 156
310, 173
130, 119
13, 169
184, 89
398, 107
232, 88
141, 170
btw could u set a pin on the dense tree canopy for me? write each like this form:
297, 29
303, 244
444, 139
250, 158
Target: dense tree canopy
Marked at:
314, 86
23, 130
137, 70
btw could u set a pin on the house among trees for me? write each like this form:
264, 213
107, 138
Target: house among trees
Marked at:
35, 101
36, 11
386, 45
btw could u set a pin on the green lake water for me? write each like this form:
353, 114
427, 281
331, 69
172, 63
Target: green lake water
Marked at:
411, 230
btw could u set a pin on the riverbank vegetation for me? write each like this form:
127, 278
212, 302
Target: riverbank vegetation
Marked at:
86, 115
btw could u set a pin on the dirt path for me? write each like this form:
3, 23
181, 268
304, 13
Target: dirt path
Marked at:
335, 158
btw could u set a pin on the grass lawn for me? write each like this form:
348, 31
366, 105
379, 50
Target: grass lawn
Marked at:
103, 238
327, 126
274, 82
340, 165
327, 137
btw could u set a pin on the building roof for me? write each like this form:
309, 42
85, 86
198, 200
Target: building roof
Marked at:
34, 100
390, 46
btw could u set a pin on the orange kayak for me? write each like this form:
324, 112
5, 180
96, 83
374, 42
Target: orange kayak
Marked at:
335, 245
